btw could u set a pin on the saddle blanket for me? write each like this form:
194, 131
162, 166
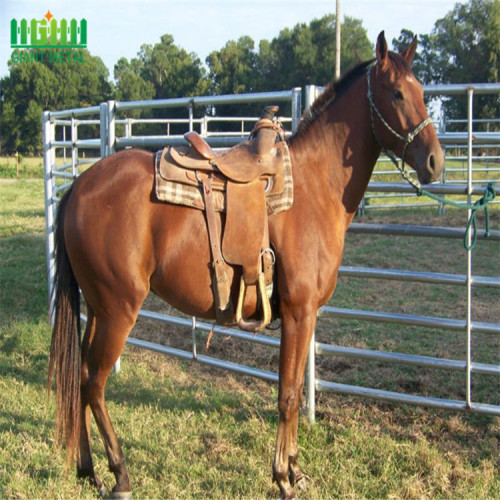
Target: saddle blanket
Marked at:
178, 193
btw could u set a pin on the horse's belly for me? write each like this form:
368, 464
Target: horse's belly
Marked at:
183, 276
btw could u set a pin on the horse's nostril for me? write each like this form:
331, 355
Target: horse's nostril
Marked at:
432, 164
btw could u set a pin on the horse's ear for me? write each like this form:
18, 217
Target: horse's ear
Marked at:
409, 52
382, 51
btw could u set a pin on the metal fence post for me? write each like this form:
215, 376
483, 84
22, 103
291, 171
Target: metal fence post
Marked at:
204, 126
111, 127
310, 96
128, 127
190, 116
64, 140
48, 161
468, 400
311, 381
74, 148
103, 128
296, 107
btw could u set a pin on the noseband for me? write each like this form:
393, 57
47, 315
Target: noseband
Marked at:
408, 139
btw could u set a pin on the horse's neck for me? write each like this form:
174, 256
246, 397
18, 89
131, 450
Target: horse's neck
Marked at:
334, 158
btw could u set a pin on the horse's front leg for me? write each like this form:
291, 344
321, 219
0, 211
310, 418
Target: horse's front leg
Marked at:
297, 327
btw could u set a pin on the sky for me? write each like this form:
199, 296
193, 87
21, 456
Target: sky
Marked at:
117, 28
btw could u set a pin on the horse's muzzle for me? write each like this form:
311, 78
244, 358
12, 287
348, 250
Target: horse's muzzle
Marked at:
430, 166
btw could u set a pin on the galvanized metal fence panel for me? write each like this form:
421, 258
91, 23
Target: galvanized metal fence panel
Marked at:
59, 177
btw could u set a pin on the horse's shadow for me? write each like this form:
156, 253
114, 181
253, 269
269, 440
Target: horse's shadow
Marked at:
216, 396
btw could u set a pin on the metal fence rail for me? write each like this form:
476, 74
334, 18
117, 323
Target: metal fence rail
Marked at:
106, 118
113, 107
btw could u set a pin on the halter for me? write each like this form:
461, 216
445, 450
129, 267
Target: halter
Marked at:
406, 139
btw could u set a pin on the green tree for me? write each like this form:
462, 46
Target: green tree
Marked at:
298, 56
467, 41
159, 71
290, 58
130, 85
306, 54
463, 47
172, 71
232, 69
356, 47
32, 87
81, 85
426, 59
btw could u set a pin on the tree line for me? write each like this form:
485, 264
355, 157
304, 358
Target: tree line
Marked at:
464, 46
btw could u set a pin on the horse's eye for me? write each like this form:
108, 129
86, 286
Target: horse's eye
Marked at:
398, 95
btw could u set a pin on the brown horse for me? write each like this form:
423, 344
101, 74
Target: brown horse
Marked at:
117, 242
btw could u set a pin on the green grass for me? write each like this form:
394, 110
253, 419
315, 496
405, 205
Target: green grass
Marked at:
23, 168
192, 432
27, 167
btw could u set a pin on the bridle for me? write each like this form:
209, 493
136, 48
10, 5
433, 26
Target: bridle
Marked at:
408, 139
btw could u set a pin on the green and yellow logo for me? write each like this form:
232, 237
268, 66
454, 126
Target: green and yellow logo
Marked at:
48, 33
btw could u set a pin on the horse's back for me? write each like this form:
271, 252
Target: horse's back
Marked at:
113, 192
114, 182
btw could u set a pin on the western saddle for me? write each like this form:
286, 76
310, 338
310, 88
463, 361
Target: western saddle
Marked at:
239, 181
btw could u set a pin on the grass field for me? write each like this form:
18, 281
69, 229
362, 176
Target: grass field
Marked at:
22, 168
191, 432
25, 167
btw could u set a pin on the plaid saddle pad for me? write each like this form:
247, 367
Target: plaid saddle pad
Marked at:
171, 189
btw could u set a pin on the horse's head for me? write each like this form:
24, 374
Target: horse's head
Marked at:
399, 118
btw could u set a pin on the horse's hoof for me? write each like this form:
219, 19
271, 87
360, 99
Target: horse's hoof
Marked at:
288, 495
119, 495
301, 483
103, 491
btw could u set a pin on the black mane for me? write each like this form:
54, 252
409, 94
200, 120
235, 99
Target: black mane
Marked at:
332, 91
336, 88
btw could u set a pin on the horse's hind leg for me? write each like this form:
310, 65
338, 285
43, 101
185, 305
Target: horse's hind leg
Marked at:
105, 348
85, 464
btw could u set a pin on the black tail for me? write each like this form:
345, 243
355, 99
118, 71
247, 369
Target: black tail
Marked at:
65, 349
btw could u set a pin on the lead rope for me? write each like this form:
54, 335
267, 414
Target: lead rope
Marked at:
481, 204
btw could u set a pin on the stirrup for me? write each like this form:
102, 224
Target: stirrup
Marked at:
254, 325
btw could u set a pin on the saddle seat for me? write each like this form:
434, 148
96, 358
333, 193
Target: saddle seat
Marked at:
242, 163
238, 181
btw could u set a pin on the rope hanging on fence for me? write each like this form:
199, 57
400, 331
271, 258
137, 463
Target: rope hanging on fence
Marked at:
481, 204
